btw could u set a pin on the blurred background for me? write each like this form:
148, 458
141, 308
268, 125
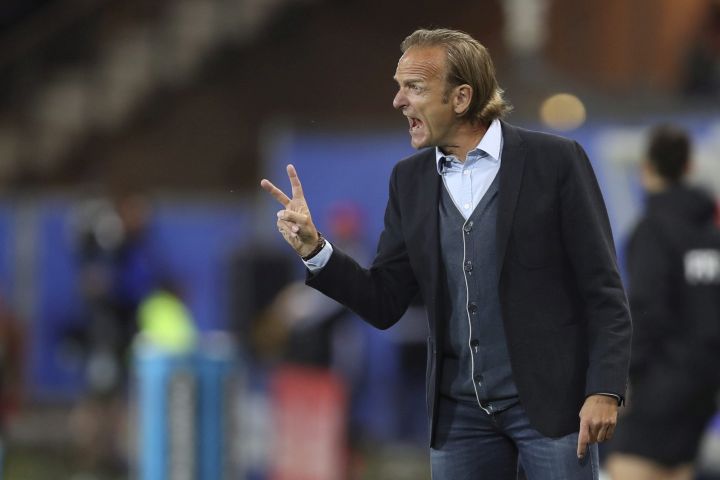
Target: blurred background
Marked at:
152, 322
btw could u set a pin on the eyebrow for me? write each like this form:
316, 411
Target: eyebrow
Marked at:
408, 81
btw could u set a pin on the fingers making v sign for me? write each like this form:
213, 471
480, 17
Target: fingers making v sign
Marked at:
294, 221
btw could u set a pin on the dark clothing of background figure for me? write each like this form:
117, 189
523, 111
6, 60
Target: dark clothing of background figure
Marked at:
563, 306
116, 278
673, 264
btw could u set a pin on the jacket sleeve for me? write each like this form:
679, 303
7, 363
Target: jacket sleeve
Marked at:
381, 294
588, 241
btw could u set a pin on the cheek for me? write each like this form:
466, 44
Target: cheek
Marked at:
436, 116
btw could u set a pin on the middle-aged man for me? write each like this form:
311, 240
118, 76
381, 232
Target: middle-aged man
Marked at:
504, 233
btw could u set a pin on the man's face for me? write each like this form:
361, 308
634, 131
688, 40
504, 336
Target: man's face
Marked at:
421, 97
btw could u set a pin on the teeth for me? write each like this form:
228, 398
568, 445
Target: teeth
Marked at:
414, 123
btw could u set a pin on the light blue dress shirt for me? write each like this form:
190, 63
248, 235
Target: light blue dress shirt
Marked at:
468, 181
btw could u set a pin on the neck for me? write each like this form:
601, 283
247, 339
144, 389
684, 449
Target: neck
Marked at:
466, 139
654, 183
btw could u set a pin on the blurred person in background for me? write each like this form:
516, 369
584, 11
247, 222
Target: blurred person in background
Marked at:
673, 267
119, 267
503, 231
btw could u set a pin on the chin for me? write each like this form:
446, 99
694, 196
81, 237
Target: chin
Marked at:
418, 144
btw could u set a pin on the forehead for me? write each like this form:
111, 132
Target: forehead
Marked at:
422, 62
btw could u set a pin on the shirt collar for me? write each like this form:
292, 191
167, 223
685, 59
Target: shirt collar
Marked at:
490, 143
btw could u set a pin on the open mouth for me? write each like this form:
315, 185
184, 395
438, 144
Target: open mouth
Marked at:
415, 124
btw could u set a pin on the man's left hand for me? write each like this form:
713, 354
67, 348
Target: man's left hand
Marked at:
598, 418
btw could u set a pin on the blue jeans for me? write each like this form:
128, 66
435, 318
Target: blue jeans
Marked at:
472, 445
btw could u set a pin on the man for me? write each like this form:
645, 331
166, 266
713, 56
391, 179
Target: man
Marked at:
674, 288
504, 233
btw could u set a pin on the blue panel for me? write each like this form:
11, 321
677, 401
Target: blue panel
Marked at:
197, 241
58, 302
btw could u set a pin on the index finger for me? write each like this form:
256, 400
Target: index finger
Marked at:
275, 192
297, 191
583, 439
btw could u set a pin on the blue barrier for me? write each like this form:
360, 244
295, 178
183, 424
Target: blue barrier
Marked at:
185, 414
220, 383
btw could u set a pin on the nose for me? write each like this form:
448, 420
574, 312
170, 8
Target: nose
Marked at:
400, 100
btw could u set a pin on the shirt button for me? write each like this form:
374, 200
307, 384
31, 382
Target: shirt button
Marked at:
466, 206
475, 342
472, 308
466, 172
478, 379
468, 226
468, 266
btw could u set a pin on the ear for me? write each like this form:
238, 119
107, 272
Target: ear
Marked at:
462, 96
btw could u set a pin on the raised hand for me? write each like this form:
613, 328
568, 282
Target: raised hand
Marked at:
294, 222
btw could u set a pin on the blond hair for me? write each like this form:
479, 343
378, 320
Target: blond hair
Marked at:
468, 62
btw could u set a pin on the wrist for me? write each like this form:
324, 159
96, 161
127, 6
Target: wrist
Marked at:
608, 397
319, 244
